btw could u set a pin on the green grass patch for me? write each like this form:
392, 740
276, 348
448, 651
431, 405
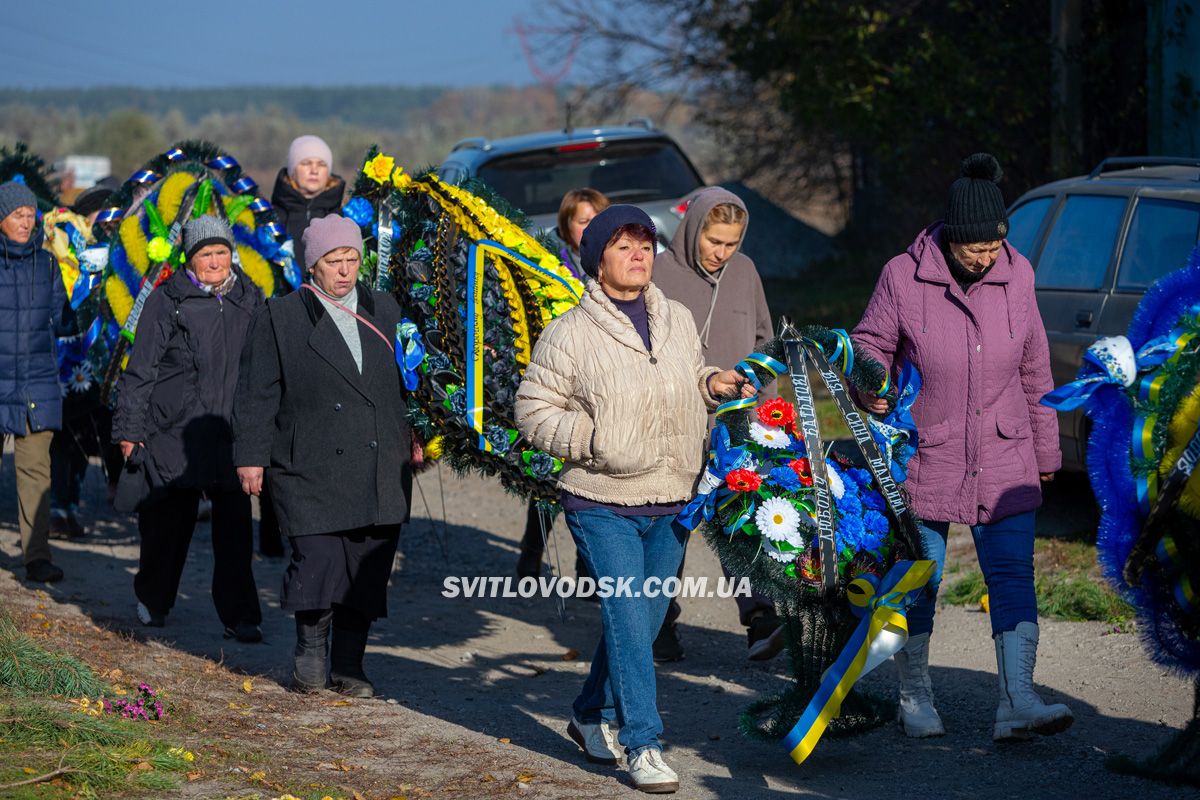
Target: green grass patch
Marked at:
1068, 585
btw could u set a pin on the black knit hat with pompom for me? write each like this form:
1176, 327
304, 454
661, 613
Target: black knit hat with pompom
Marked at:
975, 210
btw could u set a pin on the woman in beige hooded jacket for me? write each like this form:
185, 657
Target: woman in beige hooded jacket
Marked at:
618, 389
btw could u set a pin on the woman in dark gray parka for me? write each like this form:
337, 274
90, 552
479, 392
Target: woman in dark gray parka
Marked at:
174, 407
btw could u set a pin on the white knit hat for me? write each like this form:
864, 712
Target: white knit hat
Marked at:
308, 146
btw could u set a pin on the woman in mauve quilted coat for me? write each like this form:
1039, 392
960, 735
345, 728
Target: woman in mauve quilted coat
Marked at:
959, 304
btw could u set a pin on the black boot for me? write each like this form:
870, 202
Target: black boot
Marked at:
350, 631
312, 650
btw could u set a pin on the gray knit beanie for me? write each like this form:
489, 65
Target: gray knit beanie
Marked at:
14, 195
205, 230
975, 209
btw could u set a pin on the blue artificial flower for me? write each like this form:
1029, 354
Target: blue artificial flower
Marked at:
851, 532
871, 541
541, 465
849, 505
875, 523
458, 403
785, 478
861, 476
359, 209
421, 292
498, 438
438, 362
872, 499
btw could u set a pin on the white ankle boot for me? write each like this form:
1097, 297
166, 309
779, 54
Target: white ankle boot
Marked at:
1021, 712
917, 716
651, 774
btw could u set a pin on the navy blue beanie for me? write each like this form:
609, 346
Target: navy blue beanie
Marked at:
601, 229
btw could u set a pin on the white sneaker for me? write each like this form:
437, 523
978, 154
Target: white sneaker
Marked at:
598, 743
651, 774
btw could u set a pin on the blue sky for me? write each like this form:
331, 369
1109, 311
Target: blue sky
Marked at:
79, 43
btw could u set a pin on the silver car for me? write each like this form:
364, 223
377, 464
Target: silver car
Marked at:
1096, 243
634, 163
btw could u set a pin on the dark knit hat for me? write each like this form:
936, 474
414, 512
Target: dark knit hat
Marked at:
14, 195
203, 231
975, 210
94, 198
601, 229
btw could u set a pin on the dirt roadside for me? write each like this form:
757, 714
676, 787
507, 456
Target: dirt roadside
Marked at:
477, 692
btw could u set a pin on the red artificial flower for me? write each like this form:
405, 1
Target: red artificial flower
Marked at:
802, 469
743, 480
777, 412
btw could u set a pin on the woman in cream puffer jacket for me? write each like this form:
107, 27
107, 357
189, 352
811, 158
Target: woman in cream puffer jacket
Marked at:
618, 390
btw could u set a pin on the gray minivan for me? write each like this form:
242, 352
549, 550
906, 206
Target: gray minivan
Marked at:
1096, 243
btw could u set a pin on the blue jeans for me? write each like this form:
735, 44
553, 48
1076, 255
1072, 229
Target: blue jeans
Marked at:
621, 682
1005, 551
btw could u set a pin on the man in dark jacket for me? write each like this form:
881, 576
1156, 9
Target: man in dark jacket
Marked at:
33, 313
174, 416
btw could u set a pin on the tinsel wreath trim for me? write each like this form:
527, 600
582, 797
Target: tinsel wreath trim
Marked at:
29, 168
196, 153
1166, 301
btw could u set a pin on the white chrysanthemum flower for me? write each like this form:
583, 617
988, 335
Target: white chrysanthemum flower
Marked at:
81, 378
766, 436
835, 481
779, 521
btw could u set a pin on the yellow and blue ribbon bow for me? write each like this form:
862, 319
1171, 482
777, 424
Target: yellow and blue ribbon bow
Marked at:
883, 631
712, 490
410, 352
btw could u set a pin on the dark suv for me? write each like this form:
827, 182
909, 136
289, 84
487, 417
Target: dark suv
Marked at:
1096, 243
634, 163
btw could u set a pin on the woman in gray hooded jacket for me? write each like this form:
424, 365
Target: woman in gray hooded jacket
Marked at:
705, 270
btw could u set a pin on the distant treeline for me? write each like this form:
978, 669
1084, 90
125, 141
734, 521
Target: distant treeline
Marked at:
369, 106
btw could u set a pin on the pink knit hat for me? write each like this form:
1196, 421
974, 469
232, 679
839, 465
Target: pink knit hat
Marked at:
303, 147
326, 234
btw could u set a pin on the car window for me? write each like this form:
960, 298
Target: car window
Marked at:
1024, 223
1161, 235
1079, 247
627, 172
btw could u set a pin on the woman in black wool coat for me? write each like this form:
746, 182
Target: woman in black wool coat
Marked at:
321, 417
172, 421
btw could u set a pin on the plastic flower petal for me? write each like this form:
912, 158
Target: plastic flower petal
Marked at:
379, 168
836, 486
777, 412
743, 480
401, 180
803, 470
773, 438
778, 520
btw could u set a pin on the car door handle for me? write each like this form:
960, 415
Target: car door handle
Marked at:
1083, 319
